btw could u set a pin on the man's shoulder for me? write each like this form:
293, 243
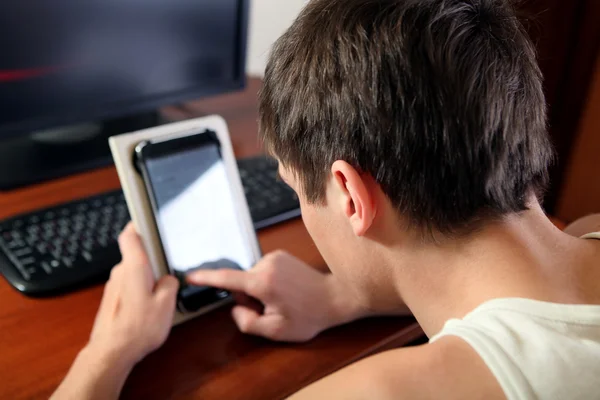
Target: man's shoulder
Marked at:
448, 368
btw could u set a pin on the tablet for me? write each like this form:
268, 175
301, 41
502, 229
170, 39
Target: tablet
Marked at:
186, 200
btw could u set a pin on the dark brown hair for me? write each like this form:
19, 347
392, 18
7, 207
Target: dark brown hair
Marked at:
439, 100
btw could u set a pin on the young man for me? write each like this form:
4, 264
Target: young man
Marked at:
414, 132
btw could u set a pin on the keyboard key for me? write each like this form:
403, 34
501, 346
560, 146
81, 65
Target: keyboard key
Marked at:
48, 225
22, 252
15, 244
33, 229
87, 255
26, 262
46, 267
35, 273
17, 224
79, 217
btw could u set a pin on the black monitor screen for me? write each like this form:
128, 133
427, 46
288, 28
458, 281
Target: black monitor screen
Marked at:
67, 61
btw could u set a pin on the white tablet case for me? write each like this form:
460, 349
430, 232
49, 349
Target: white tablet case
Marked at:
122, 148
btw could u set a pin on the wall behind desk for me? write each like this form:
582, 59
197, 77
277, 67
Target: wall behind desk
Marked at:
268, 20
580, 194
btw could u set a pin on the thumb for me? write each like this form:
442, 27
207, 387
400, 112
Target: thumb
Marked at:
165, 291
251, 322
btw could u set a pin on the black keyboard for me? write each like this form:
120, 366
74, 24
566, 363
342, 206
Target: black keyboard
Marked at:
269, 198
70, 245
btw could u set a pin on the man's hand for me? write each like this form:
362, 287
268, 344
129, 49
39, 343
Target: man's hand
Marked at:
136, 312
134, 319
298, 302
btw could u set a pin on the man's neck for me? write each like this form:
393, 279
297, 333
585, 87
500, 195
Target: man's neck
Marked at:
522, 256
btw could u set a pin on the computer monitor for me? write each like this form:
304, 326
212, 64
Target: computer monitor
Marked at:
73, 72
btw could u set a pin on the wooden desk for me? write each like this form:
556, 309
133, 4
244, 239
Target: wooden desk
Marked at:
207, 358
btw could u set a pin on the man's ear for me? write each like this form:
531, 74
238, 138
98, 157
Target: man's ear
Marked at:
355, 196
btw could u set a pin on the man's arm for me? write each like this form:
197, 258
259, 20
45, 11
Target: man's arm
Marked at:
446, 369
584, 225
295, 303
134, 319
284, 299
94, 375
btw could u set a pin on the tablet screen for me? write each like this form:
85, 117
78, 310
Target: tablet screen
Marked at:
196, 216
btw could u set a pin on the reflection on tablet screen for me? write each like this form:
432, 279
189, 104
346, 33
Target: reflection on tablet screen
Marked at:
197, 217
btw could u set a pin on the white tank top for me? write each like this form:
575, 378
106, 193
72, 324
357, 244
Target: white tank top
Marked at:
536, 349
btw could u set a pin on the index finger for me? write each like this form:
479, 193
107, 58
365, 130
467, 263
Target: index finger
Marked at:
228, 279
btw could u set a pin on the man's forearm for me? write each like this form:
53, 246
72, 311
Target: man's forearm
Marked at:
93, 376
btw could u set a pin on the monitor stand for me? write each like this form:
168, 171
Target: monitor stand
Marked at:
44, 155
